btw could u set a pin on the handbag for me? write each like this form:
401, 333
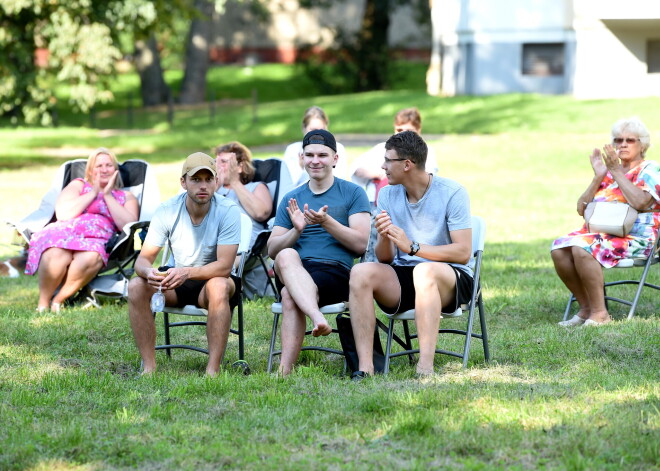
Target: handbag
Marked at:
610, 217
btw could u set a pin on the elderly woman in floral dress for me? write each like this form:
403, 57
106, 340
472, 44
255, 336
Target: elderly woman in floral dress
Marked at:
69, 252
621, 174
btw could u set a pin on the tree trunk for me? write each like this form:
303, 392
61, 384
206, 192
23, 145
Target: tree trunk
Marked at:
153, 88
193, 88
373, 48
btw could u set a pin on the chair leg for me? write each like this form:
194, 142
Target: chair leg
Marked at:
273, 337
166, 323
388, 346
468, 336
241, 342
571, 298
484, 333
406, 332
640, 287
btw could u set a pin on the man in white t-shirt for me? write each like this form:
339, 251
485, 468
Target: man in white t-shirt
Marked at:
202, 230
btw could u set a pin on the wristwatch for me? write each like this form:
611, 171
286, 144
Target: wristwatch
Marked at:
414, 248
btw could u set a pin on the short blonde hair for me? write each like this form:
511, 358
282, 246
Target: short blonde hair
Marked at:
91, 163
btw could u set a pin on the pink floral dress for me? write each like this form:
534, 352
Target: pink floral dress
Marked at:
609, 249
88, 232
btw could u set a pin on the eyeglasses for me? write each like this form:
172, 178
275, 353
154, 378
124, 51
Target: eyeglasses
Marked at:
629, 140
387, 161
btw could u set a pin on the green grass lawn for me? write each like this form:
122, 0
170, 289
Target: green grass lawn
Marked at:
551, 398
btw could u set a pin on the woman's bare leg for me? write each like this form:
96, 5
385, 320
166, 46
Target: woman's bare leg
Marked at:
591, 274
567, 271
82, 270
53, 266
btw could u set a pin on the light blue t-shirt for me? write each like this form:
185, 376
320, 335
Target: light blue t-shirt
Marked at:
195, 245
315, 243
444, 207
257, 226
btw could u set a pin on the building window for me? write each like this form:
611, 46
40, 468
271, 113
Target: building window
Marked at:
653, 56
543, 59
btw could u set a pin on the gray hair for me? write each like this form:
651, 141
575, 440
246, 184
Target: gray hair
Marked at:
635, 126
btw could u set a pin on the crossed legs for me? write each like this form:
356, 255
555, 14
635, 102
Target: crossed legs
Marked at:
214, 297
67, 269
583, 276
299, 299
434, 287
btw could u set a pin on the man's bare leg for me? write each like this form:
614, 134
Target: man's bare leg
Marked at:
215, 296
142, 321
292, 331
302, 289
370, 281
435, 286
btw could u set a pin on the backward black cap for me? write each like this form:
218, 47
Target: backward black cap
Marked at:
320, 136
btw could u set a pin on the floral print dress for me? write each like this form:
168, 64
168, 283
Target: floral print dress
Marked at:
609, 249
88, 232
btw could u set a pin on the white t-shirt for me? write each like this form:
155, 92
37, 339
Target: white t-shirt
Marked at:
195, 245
373, 160
299, 175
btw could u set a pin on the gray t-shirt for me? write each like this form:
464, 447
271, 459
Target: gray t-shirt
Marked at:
444, 207
195, 245
315, 243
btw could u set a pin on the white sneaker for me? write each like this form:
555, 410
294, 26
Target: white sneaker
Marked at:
572, 322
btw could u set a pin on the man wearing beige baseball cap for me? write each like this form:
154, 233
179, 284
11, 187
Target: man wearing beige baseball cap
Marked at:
202, 230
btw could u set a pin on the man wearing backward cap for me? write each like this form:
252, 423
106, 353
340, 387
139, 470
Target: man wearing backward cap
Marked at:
316, 236
203, 232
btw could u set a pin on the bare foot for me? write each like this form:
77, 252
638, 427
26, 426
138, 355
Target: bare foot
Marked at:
424, 370
211, 373
584, 313
424, 373
602, 317
321, 329
147, 372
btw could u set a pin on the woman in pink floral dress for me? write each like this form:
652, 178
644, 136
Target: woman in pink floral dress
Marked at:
69, 252
620, 174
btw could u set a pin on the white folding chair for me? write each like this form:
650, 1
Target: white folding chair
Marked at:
195, 311
476, 303
644, 263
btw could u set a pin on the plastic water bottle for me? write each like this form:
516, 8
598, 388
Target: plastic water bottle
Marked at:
157, 301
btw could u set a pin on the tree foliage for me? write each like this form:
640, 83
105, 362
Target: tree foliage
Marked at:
359, 59
81, 40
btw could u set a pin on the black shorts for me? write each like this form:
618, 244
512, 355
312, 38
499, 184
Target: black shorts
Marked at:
330, 279
188, 292
462, 294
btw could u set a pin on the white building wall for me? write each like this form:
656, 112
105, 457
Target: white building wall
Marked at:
605, 45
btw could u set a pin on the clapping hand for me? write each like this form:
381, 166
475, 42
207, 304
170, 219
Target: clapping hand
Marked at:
611, 157
394, 233
597, 163
234, 170
296, 215
316, 217
111, 183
